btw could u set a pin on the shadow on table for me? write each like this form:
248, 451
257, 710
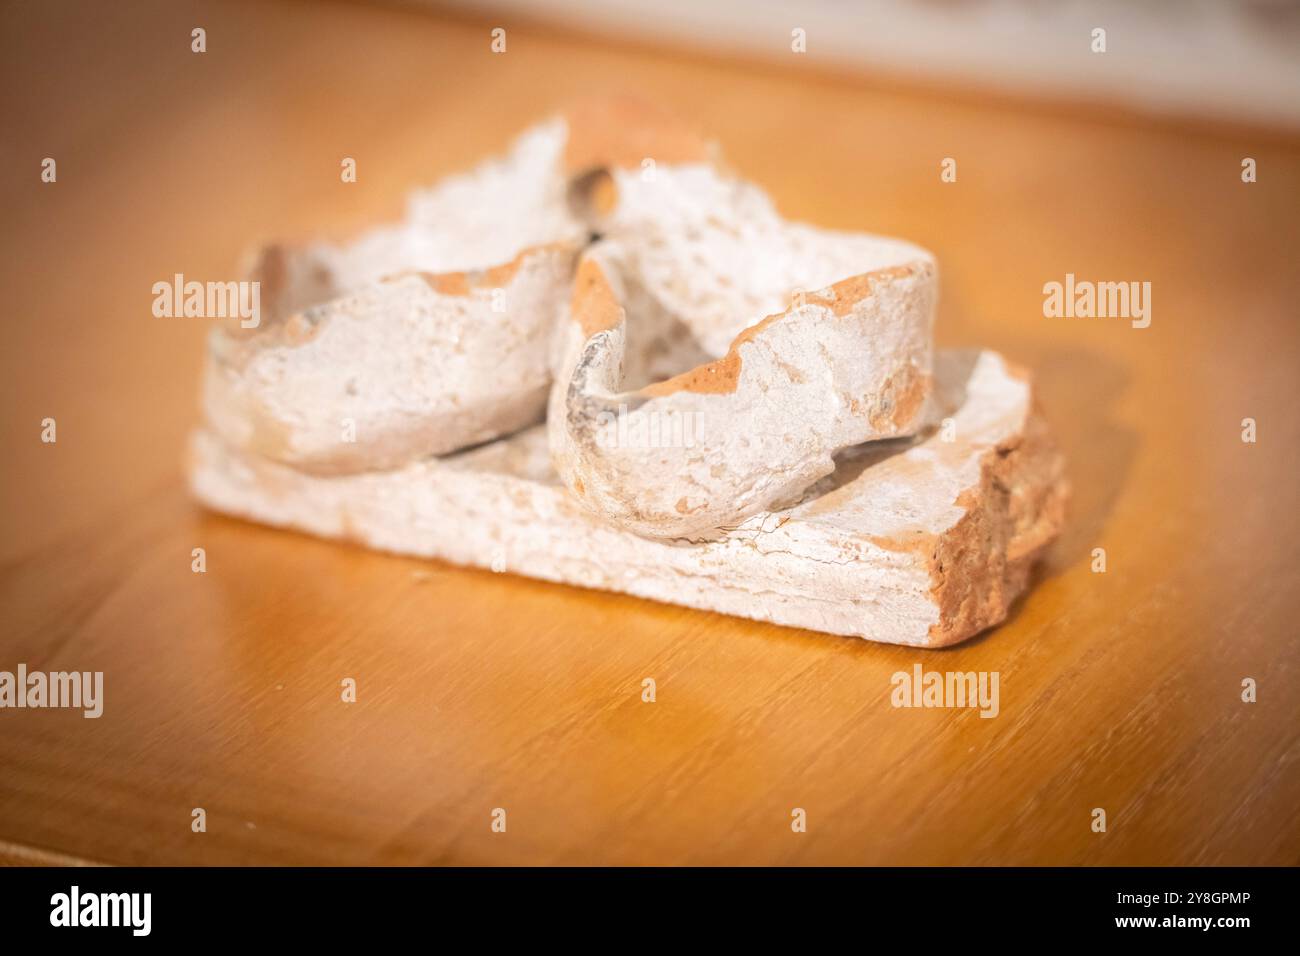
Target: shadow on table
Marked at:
1077, 391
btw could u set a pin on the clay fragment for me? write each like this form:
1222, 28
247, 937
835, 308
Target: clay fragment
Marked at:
415, 339
743, 413
431, 334
704, 450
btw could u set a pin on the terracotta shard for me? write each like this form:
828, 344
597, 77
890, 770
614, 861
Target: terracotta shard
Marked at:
702, 451
744, 413
402, 368
414, 339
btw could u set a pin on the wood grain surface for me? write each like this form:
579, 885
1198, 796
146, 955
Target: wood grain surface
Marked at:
476, 691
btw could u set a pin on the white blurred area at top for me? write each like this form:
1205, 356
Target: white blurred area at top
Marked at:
1216, 59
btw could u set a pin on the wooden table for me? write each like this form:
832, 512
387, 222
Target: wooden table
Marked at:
476, 691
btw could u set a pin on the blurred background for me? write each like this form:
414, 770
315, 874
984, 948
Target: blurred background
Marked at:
1120, 690
1218, 59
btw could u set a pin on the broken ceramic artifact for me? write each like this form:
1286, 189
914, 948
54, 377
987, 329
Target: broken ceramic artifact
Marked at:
920, 541
848, 363
744, 414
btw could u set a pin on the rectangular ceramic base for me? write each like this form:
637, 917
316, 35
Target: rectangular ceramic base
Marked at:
923, 541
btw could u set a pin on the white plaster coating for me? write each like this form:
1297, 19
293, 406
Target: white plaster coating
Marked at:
360, 365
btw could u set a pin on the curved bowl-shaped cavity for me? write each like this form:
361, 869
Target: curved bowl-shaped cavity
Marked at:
708, 448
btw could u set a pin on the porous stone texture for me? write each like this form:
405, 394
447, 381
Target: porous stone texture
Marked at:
716, 357
712, 249
410, 365
923, 541
701, 452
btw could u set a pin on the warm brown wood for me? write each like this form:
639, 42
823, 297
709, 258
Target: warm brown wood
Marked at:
1119, 690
